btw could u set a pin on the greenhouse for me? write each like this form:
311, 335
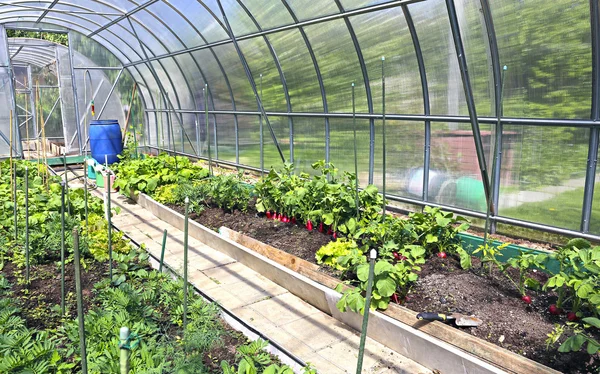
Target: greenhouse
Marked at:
294, 186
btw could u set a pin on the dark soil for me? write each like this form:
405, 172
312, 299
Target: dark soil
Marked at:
44, 291
442, 287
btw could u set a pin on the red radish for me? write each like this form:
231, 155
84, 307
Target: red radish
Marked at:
278, 216
293, 220
572, 316
329, 231
554, 310
285, 219
268, 215
398, 256
442, 255
320, 227
309, 225
334, 235
395, 298
526, 299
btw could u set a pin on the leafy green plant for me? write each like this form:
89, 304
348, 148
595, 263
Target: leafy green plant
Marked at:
329, 253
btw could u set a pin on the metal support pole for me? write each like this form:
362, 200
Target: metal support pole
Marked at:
75, 100
26, 188
15, 204
355, 154
112, 89
260, 125
592, 160
426, 103
185, 263
80, 316
464, 72
85, 196
205, 90
162, 252
66, 180
365, 322
383, 129
197, 136
62, 247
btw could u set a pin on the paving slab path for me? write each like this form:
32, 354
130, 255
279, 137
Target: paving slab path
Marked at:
308, 333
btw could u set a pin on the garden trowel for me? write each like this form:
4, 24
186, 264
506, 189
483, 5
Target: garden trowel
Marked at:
456, 318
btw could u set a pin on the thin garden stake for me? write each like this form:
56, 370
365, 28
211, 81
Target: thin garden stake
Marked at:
10, 162
185, 262
365, 323
77, 264
198, 134
162, 135
489, 205
66, 180
262, 144
108, 214
124, 350
15, 203
62, 247
383, 129
355, 153
85, 196
207, 130
26, 187
135, 143
162, 252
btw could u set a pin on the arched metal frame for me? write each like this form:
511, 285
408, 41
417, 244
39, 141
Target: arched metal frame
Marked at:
78, 22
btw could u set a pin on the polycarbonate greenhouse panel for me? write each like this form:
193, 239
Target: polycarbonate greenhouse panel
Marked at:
446, 91
309, 142
249, 127
239, 19
385, 34
268, 14
92, 50
201, 19
595, 220
404, 157
454, 176
543, 174
69, 115
339, 64
299, 71
342, 146
546, 48
242, 90
217, 82
309, 9
475, 41
258, 57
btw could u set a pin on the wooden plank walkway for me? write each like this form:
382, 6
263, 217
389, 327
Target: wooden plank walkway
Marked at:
303, 330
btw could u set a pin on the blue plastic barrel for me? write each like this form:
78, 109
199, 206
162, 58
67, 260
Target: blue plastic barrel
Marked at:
105, 140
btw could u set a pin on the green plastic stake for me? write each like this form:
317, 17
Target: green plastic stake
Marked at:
124, 350
383, 129
26, 187
62, 248
77, 264
66, 180
162, 252
108, 217
85, 196
355, 152
15, 205
365, 323
185, 262
210, 170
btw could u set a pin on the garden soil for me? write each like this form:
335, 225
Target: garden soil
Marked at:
442, 287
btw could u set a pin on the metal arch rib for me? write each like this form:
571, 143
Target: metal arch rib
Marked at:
125, 15
319, 77
251, 80
46, 12
227, 83
426, 102
365, 73
281, 76
497, 76
464, 72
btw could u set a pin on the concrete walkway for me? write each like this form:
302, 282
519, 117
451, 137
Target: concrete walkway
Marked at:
305, 331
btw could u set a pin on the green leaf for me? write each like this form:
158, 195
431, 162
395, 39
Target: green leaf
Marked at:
430, 238
442, 221
593, 347
386, 286
532, 284
362, 272
327, 218
383, 266
592, 321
